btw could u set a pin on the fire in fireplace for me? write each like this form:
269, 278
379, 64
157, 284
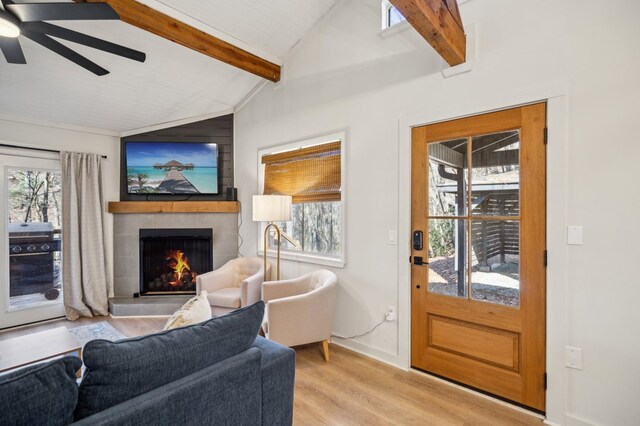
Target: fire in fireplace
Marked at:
171, 259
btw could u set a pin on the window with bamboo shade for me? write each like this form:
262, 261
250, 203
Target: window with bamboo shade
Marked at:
312, 175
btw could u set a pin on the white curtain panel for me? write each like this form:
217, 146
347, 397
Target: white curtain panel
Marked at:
84, 258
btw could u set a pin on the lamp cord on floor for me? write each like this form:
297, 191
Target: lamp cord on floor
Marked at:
363, 334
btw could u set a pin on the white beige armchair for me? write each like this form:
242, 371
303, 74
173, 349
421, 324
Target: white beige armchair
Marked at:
237, 283
300, 310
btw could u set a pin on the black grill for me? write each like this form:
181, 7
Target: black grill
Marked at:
33, 248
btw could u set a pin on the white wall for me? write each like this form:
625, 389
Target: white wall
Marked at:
51, 137
584, 55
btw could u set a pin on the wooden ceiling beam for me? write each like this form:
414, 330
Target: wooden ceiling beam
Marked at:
439, 22
452, 5
148, 19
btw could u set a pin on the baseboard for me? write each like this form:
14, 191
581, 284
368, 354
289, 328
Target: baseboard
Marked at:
570, 420
368, 351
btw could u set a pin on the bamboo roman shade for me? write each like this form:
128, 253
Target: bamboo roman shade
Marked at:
309, 174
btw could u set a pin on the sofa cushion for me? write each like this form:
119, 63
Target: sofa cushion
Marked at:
225, 297
41, 394
227, 393
118, 371
195, 310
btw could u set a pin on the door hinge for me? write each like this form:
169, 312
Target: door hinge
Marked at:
546, 135
544, 381
545, 258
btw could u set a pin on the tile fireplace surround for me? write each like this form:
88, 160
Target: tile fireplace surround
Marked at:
126, 243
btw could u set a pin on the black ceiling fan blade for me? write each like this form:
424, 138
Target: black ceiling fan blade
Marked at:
30, 12
12, 51
76, 37
64, 51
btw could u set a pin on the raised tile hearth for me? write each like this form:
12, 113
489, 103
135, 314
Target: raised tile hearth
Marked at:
145, 306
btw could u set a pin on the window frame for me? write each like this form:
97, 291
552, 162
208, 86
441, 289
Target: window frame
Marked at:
285, 253
387, 30
386, 18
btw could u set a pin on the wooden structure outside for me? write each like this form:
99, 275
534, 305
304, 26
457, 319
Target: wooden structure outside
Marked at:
493, 239
494, 195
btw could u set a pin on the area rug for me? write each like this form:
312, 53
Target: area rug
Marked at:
98, 330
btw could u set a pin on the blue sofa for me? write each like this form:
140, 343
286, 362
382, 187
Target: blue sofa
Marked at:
217, 372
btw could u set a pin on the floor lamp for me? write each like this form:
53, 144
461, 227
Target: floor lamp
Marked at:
272, 208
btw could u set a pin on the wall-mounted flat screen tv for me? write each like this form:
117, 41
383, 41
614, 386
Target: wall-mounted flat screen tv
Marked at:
166, 168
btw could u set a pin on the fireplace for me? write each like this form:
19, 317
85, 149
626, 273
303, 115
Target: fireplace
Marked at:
171, 259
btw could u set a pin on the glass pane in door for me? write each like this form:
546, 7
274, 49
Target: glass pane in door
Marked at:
35, 244
448, 178
495, 174
495, 261
448, 257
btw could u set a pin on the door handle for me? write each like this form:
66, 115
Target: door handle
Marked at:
418, 260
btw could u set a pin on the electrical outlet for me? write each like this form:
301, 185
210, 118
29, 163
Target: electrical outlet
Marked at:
391, 313
574, 235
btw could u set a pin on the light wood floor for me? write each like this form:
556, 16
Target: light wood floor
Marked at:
354, 390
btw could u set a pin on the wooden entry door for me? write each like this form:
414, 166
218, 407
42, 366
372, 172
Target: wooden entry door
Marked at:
478, 272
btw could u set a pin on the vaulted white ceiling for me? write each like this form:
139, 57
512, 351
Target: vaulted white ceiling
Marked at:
174, 83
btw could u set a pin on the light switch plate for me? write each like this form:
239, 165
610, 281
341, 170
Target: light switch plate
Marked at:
392, 238
573, 357
574, 235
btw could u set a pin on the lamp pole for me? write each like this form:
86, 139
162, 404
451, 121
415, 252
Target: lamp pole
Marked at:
266, 236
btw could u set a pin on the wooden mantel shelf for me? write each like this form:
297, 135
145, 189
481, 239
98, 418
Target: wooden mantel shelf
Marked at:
174, 207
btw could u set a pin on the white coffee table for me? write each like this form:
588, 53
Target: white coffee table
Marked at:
31, 348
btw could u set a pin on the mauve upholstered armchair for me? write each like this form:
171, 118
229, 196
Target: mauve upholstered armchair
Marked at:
236, 284
300, 310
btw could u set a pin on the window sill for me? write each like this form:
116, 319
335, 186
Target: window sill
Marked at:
307, 258
394, 29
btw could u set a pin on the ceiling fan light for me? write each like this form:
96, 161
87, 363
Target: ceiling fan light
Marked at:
8, 26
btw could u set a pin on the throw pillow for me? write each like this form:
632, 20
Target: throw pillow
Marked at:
118, 371
41, 394
197, 309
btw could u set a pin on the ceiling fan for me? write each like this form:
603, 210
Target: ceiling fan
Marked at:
26, 19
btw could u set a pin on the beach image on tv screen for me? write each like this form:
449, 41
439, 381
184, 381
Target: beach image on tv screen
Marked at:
172, 168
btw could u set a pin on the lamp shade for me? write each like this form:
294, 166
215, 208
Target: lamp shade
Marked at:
271, 208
